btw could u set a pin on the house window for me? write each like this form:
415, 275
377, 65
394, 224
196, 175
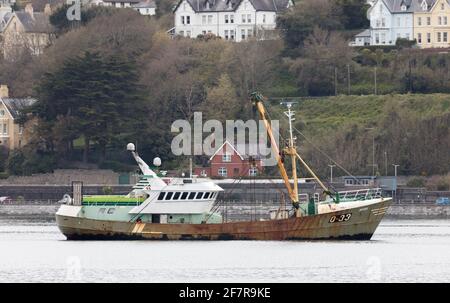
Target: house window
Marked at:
226, 19
442, 6
210, 19
407, 36
249, 33
444, 36
2, 112
203, 19
445, 20
232, 34
188, 33
419, 21
419, 38
439, 20
5, 128
231, 18
222, 172
182, 19
377, 38
438, 37
188, 19
428, 38
204, 32
383, 22
378, 22
264, 18
226, 35
181, 33
398, 21
226, 158
249, 18
243, 18
236, 171
428, 20
253, 171
243, 34
383, 38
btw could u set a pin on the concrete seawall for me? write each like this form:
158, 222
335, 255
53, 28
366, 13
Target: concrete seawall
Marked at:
238, 211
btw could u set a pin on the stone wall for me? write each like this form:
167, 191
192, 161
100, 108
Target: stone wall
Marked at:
66, 176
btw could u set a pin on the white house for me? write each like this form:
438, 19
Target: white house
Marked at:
234, 20
390, 20
144, 7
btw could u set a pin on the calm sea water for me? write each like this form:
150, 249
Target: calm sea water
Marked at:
401, 251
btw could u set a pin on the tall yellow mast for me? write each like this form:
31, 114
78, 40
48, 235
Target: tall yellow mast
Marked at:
293, 192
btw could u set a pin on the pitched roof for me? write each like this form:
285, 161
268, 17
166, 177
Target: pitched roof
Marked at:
232, 5
36, 23
15, 105
364, 33
145, 4
395, 6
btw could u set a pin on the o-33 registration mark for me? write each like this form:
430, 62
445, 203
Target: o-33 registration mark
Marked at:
340, 218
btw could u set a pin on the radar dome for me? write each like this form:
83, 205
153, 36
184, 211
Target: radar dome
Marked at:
130, 147
157, 161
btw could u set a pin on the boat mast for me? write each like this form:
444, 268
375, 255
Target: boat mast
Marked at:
291, 150
258, 100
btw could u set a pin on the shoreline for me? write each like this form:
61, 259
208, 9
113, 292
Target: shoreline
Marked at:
239, 211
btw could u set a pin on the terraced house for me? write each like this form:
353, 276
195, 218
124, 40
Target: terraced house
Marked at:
234, 20
425, 21
432, 23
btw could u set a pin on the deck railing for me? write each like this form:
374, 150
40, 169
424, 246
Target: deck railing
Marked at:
360, 194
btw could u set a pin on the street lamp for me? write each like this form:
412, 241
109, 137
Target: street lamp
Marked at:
331, 172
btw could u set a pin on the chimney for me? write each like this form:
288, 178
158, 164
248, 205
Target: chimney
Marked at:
29, 9
4, 92
47, 9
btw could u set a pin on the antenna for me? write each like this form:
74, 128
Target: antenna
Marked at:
291, 116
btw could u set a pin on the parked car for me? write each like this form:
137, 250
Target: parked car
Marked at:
443, 201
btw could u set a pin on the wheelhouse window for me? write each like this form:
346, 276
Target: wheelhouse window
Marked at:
161, 195
184, 196
176, 196
191, 196
169, 195
199, 195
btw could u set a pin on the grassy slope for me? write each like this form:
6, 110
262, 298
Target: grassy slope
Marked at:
322, 114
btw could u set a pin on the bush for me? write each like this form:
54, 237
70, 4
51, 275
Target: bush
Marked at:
116, 166
416, 182
107, 190
15, 163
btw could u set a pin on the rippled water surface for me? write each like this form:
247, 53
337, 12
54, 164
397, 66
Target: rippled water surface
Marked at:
400, 251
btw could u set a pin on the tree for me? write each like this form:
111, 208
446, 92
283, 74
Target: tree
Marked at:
93, 96
221, 102
354, 13
297, 24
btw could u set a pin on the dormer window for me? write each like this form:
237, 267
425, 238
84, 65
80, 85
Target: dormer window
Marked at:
424, 5
403, 7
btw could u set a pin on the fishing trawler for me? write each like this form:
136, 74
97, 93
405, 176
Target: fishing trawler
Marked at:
160, 208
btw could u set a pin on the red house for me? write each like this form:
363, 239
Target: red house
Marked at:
227, 162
